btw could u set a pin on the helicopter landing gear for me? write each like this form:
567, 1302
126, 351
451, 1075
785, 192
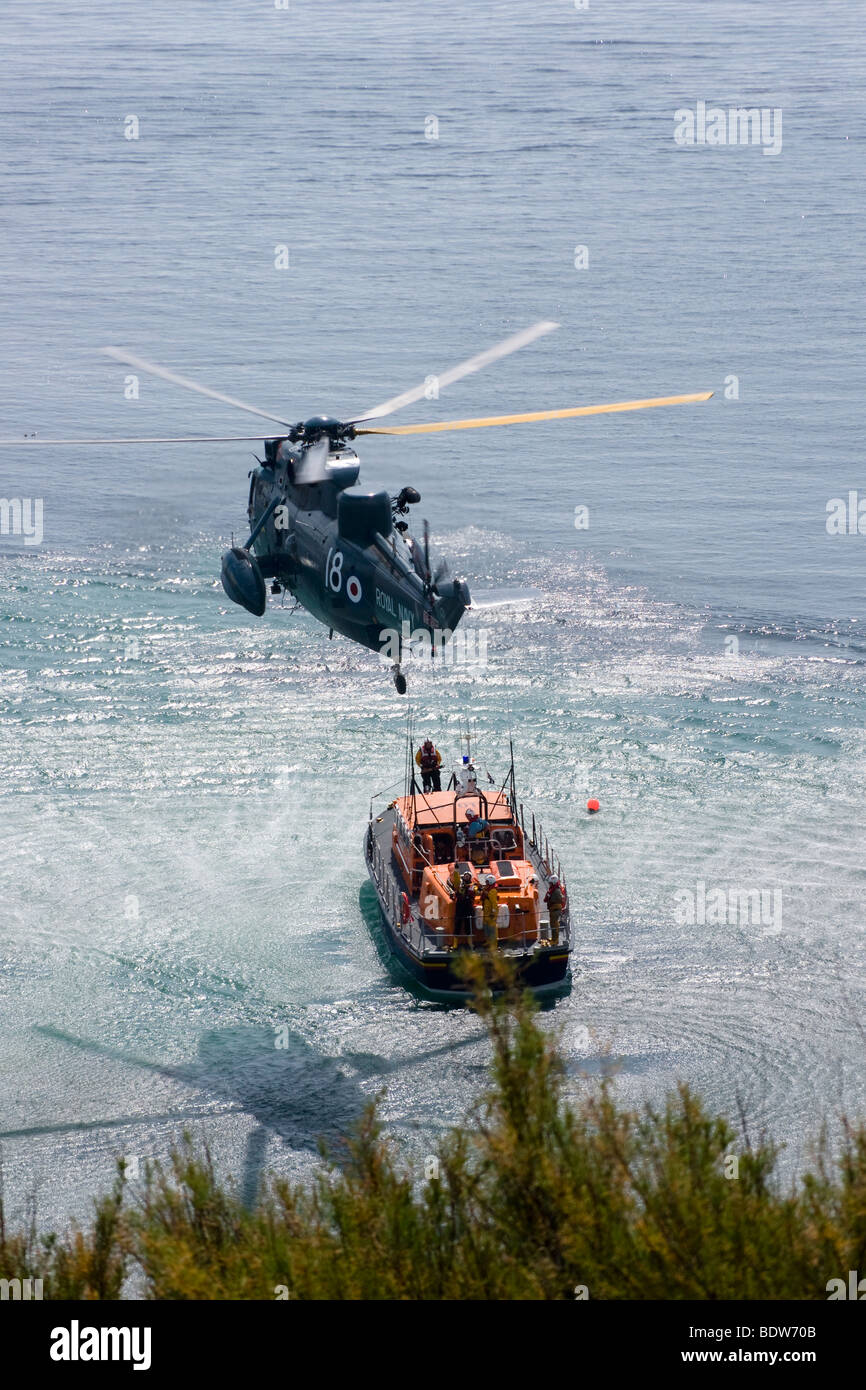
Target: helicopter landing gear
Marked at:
399, 679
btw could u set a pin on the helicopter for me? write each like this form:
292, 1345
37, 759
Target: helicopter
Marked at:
346, 553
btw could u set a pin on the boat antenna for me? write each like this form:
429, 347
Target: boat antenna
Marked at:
411, 782
504, 783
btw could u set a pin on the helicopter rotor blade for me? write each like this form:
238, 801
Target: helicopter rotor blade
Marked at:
151, 439
313, 466
153, 368
472, 364
538, 415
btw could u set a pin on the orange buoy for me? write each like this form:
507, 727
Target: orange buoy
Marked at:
592, 806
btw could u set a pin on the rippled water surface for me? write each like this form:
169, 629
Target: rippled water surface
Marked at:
186, 788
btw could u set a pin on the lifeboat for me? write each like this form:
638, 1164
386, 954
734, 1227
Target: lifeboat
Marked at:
433, 858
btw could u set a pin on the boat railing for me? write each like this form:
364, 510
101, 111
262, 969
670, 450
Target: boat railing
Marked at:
540, 843
411, 926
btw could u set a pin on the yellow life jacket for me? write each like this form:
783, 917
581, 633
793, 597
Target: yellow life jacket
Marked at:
490, 907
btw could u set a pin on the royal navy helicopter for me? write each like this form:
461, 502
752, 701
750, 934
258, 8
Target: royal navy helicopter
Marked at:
344, 552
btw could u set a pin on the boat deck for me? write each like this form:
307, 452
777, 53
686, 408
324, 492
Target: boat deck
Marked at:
424, 938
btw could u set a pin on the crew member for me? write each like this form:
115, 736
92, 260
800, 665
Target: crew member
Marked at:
489, 908
464, 911
467, 776
477, 830
429, 759
555, 899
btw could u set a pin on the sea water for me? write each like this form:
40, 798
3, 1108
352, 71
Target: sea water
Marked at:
313, 208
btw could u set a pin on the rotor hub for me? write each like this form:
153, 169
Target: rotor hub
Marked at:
322, 427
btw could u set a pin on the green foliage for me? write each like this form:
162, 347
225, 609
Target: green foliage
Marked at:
84, 1265
535, 1195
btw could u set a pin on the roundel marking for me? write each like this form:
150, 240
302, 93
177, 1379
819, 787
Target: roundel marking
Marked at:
353, 589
